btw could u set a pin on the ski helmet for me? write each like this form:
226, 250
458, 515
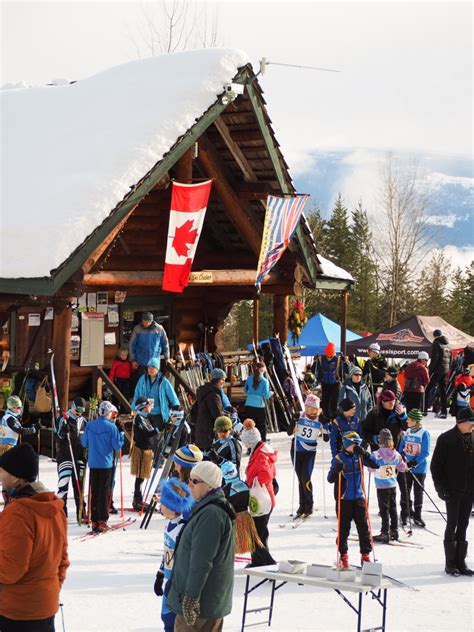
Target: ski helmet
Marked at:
14, 402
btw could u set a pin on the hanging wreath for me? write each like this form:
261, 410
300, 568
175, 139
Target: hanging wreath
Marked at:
297, 320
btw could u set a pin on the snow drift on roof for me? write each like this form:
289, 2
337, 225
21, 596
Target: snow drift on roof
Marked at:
330, 269
70, 153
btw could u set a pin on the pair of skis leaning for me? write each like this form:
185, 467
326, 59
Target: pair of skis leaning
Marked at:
165, 461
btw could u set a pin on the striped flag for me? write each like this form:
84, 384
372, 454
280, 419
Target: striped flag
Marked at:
188, 209
281, 219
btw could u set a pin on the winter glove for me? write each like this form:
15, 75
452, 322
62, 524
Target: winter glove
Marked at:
338, 467
191, 610
359, 450
326, 436
158, 586
411, 464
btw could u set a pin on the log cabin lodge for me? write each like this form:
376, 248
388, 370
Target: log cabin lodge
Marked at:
85, 209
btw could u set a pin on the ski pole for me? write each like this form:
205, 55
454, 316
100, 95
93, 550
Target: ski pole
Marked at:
62, 616
408, 504
429, 497
338, 539
294, 476
121, 485
361, 466
324, 482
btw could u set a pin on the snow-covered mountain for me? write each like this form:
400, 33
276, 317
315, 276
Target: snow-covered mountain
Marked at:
355, 174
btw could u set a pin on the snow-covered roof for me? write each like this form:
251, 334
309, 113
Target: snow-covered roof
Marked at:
70, 153
330, 269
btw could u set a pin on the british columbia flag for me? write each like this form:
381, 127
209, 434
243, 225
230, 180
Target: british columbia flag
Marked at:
281, 219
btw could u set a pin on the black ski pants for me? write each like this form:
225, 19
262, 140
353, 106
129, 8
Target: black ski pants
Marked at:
439, 381
101, 484
387, 499
329, 395
458, 512
413, 400
261, 556
406, 482
33, 625
354, 510
303, 462
260, 418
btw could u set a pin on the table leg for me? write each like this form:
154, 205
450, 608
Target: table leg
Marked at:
359, 614
271, 603
246, 594
384, 609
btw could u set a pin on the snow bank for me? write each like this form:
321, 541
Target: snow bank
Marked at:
71, 152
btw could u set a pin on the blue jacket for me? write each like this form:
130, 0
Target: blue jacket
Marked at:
339, 426
329, 371
160, 390
416, 445
351, 472
102, 437
256, 396
362, 398
147, 343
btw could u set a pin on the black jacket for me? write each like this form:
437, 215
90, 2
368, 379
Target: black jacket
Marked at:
440, 357
378, 418
209, 406
452, 464
376, 367
143, 432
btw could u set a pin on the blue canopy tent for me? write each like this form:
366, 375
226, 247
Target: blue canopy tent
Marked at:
318, 331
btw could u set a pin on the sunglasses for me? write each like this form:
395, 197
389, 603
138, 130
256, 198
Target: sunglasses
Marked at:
195, 481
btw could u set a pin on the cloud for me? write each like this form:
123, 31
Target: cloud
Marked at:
460, 257
443, 220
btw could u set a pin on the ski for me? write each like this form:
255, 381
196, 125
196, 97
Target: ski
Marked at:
113, 527
421, 529
164, 475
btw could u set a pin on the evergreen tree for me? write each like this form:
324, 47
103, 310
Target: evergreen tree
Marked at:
460, 303
364, 297
432, 286
318, 227
339, 245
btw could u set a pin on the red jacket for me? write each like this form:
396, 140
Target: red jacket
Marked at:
416, 377
121, 369
33, 554
261, 466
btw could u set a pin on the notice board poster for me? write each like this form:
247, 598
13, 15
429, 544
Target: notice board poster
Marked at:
92, 339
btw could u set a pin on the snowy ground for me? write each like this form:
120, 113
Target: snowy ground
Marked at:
110, 581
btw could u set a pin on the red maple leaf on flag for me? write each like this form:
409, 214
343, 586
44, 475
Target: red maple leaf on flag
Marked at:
183, 236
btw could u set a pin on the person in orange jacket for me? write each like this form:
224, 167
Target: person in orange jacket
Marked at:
33, 546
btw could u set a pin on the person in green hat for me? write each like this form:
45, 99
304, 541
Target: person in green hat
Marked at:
10, 425
415, 449
226, 447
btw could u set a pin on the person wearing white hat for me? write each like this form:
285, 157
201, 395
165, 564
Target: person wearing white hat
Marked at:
102, 436
203, 571
416, 381
374, 369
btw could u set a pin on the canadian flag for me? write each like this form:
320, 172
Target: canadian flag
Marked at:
188, 209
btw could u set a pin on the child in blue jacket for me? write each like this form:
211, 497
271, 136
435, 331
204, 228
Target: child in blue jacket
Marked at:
176, 503
390, 463
415, 448
348, 464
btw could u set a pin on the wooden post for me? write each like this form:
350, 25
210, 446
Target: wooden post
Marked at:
256, 320
344, 299
280, 316
184, 167
62, 351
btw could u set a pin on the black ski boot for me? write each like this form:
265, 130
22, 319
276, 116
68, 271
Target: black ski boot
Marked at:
113, 510
394, 534
383, 538
450, 554
137, 503
417, 519
461, 553
403, 518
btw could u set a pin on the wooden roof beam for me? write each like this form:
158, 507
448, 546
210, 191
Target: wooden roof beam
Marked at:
241, 217
237, 153
154, 278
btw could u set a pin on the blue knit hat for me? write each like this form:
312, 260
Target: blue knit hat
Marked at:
175, 495
188, 455
218, 374
349, 438
154, 362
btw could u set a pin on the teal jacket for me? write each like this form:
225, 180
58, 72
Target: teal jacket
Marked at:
160, 391
204, 558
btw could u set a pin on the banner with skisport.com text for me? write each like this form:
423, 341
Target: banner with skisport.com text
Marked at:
187, 213
281, 219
